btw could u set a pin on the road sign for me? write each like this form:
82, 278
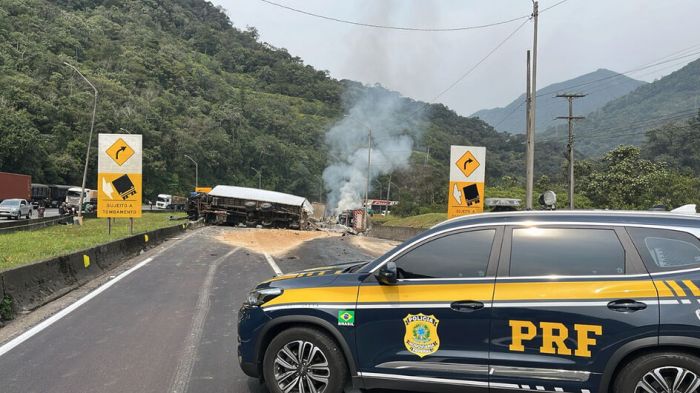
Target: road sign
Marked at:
119, 181
468, 163
120, 152
467, 172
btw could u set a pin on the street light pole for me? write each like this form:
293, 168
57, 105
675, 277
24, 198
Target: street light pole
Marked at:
87, 152
196, 172
259, 172
369, 167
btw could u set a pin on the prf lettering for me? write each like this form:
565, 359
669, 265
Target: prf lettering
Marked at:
554, 335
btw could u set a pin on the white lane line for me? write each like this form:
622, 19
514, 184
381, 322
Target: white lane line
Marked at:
183, 373
273, 264
50, 321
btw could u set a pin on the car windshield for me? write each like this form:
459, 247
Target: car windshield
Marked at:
10, 202
161, 199
73, 193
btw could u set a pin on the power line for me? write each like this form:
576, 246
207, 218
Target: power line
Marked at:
402, 28
474, 67
654, 122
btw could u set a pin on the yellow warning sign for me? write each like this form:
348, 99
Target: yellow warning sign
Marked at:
467, 163
465, 198
120, 152
119, 195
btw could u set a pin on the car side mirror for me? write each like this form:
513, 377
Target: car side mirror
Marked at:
388, 274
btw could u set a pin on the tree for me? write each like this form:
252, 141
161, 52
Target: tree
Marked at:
624, 180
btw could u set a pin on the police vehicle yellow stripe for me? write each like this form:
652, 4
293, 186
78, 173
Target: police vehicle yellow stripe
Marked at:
318, 295
676, 288
425, 293
693, 288
504, 292
575, 290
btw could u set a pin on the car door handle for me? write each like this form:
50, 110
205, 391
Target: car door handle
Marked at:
626, 305
466, 305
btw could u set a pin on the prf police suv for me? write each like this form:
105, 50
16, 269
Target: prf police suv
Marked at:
543, 302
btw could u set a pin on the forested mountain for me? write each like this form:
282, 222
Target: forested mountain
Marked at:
177, 72
601, 87
673, 98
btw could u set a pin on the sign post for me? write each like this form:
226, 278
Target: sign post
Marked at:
119, 164
467, 170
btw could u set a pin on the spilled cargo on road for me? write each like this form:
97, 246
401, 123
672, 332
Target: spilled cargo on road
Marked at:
251, 207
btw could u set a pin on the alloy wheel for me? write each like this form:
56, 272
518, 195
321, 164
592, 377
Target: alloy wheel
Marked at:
668, 379
301, 367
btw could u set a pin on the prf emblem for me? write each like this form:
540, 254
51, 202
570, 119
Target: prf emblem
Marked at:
554, 336
421, 336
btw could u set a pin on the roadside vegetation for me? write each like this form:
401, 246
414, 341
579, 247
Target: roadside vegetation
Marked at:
419, 221
20, 248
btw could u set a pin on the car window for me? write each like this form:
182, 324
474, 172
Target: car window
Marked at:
566, 252
10, 202
463, 254
663, 249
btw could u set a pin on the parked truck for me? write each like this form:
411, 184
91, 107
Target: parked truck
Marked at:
15, 185
167, 201
251, 207
73, 198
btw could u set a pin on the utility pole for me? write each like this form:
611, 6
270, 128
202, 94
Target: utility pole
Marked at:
528, 133
570, 146
388, 194
369, 167
533, 101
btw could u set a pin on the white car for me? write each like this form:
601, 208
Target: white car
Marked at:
15, 208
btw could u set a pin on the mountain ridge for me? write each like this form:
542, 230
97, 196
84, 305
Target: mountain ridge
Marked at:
602, 86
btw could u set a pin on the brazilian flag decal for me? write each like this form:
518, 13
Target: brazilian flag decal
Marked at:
346, 318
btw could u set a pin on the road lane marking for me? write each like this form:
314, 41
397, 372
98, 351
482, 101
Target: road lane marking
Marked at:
10, 345
50, 321
273, 264
183, 373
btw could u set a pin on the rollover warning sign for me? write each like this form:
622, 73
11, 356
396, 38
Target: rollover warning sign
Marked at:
119, 175
467, 169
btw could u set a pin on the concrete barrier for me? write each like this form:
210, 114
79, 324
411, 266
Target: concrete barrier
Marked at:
34, 285
394, 233
30, 225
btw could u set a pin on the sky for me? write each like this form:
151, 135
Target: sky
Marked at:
575, 37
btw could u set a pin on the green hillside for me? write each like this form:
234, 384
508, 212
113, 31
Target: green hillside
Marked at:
673, 98
180, 74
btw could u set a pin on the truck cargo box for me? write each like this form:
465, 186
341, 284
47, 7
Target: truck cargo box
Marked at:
14, 185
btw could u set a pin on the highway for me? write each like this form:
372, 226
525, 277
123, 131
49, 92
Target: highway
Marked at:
167, 324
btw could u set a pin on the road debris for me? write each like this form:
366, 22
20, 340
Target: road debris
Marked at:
272, 241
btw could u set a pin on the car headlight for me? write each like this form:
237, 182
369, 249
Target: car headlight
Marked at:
260, 296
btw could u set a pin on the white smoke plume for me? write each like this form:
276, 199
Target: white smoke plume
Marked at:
396, 124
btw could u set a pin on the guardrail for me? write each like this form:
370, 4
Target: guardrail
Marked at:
24, 225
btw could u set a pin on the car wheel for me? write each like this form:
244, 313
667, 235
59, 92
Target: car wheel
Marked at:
660, 372
301, 360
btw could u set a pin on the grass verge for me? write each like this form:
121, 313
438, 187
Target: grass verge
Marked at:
419, 221
23, 247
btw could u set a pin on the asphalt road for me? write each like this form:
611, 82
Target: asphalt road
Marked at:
169, 326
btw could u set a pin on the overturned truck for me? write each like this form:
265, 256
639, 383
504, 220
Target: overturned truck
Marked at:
251, 207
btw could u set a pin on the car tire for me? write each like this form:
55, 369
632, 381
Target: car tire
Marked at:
323, 363
655, 369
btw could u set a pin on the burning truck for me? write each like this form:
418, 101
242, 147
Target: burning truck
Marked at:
251, 207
